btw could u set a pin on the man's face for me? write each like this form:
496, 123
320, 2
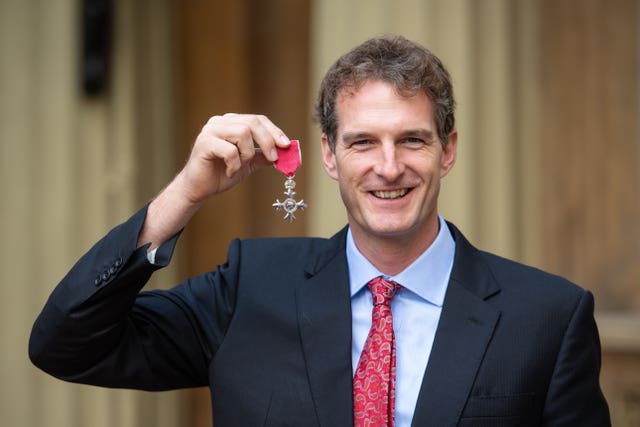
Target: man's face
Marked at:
388, 161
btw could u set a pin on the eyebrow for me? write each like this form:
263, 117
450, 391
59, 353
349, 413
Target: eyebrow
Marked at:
421, 133
353, 136
425, 134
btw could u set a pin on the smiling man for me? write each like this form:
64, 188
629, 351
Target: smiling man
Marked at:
388, 161
396, 320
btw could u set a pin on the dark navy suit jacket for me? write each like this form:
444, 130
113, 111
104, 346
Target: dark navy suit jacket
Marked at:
270, 333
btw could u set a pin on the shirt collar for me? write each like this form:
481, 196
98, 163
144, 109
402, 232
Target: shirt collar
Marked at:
427, 276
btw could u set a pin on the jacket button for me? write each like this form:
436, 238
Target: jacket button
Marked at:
118, 262
105, 276
97, 280
112, 270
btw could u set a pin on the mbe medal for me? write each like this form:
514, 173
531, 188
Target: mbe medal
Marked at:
289, 160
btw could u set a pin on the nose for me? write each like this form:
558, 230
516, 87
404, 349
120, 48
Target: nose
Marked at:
389, 164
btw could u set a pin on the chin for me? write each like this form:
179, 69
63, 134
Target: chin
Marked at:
390, 230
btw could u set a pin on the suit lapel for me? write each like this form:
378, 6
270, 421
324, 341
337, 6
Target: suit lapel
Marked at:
466, 325
324, 318
464, 331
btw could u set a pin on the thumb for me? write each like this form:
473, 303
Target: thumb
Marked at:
259, 161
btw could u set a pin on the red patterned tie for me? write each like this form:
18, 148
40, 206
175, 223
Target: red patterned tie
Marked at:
373, 383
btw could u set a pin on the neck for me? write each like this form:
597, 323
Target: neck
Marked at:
392, 254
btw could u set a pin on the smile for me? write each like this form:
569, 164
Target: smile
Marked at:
391, 194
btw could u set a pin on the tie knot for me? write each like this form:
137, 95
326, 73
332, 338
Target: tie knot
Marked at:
382, 290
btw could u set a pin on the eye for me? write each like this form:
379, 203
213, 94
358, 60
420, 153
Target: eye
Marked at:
360, 143
412, 140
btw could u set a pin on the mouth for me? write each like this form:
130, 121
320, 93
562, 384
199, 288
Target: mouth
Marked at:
391, 194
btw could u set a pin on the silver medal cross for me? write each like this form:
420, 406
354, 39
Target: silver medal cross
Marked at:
290, 205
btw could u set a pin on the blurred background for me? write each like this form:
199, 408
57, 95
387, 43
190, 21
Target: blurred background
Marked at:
100, 101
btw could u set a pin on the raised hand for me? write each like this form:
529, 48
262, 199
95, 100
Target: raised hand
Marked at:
227, 150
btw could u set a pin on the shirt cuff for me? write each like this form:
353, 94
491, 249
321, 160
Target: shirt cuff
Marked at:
151, 256
161, 255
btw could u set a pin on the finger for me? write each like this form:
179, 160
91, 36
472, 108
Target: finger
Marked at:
245, 132
228, 153
265, 134
240, 135
278, 135
234, 131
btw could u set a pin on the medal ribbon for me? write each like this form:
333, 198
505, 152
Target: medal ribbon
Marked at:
289, 158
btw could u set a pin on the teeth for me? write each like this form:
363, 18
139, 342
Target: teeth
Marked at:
393, 194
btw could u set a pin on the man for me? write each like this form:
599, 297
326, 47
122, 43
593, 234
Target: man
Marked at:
286, 332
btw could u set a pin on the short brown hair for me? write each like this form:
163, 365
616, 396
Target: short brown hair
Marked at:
395, 60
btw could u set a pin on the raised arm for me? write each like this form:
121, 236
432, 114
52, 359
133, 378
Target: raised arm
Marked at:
226, 151
98, 328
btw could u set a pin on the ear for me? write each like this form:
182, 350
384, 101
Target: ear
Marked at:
449, 153
329, 159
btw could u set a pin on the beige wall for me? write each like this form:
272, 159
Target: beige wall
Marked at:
69, 170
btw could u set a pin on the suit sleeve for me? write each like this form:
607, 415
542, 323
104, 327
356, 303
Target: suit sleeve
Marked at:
99, 328
574, 397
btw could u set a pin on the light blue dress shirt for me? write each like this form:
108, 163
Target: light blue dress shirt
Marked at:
416, 311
